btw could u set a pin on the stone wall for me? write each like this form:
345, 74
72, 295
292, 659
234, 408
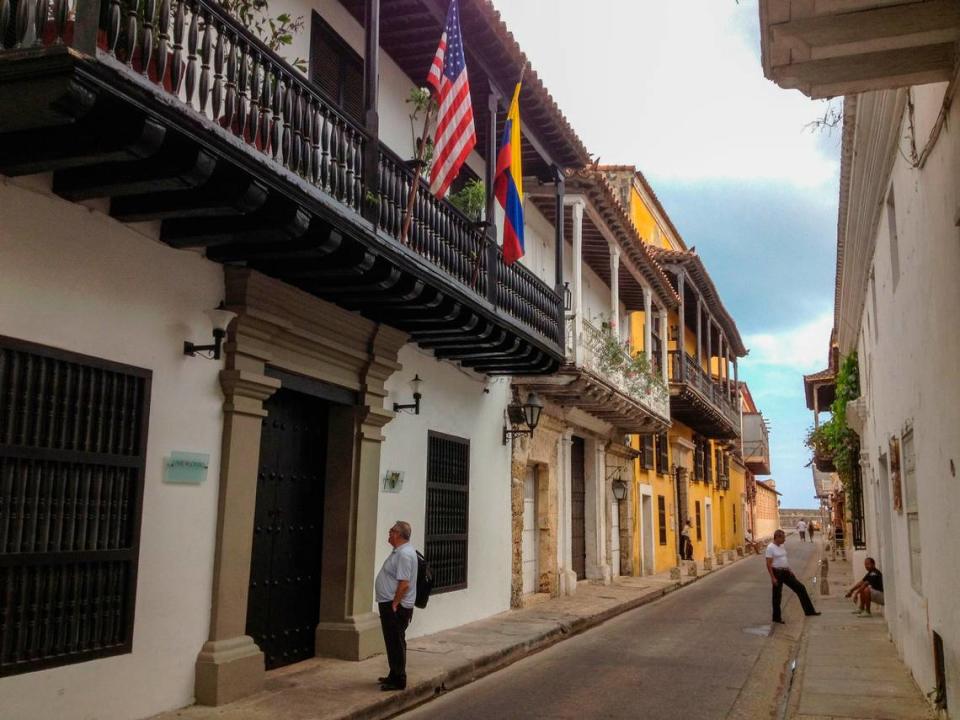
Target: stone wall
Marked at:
540, 450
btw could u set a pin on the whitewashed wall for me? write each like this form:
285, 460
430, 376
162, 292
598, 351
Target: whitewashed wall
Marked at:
72, 278
453, 403
909, 355
540, 258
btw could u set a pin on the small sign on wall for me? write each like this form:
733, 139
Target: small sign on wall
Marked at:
393, 481
185, 468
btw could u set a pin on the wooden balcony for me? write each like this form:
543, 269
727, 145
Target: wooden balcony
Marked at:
756, 444
602, 381
699, 401
177, 114
827, 49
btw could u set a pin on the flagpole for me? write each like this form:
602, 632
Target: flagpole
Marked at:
408, 213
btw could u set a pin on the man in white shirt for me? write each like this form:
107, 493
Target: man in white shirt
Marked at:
396, 591
780, 574
802, 528
686, 544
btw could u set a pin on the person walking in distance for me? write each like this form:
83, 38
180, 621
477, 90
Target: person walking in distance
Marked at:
396, 592
686, 544
811, 526
780, 574
802, 529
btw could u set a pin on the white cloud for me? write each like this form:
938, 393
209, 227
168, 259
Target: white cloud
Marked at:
674, 87
802, 348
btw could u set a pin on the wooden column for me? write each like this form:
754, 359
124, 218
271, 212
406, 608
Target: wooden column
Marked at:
615, 289
490, 169
648, 324
699, 333
681, 327
736, 382
709, 346
664, 330
558, 229
577, 261
371, 116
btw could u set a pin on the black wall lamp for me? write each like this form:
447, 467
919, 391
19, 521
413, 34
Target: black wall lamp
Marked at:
619, 488
220, 318
528, 413
416, 384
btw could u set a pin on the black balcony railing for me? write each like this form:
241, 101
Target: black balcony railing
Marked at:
205, 62
692, 374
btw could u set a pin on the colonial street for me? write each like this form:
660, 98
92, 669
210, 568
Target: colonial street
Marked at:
693, 654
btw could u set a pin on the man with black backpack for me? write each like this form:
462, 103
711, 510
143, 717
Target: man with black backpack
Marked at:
396, 592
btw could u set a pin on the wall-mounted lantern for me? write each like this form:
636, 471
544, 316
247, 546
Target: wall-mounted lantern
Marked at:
528, 413
416, 384
220, 318
619, 488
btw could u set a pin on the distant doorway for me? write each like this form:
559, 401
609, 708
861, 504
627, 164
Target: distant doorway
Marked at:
646, 537
529, 535
578, 513
708, 550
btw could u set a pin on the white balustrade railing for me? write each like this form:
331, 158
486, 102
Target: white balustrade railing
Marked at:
598, 352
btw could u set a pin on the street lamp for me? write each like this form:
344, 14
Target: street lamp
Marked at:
416, 385
528, 413
619, 488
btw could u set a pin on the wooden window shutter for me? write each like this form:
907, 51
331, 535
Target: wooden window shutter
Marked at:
336, 68
646, 456
448, 510
73, 435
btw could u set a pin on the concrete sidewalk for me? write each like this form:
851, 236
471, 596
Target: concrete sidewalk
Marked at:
847, 667
328, 689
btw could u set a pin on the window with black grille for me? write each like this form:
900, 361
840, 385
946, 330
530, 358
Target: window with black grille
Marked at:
73, 435
698, 464
696, 507
663, 457
448, 495
707, 462
646, 452
336, 68
662, 518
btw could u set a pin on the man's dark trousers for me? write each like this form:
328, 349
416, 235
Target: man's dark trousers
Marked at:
394, 625
786, 577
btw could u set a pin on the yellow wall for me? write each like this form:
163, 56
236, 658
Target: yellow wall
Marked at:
665, 556
650, 229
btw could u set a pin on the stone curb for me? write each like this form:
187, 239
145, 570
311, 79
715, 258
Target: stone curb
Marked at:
426, 690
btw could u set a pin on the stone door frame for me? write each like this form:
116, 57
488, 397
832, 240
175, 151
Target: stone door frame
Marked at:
282, 327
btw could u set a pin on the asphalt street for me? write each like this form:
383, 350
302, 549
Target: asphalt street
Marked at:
688, 656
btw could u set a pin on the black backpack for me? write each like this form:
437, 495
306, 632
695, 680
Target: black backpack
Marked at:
424, 581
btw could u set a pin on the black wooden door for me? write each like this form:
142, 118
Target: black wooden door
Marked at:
578, 494
284, 600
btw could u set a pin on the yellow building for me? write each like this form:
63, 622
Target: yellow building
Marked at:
694, 472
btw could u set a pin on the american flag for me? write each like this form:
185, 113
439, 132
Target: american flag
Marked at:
456, 135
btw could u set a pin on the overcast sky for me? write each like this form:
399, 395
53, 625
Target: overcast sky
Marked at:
676, 88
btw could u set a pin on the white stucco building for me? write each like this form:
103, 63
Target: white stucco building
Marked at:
896, 293
228, 515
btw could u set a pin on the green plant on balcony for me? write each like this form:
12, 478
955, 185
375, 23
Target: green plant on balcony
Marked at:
277, 31
614, 359
834, 442
420, 100
471, 199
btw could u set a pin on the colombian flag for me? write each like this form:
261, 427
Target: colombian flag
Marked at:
508, 183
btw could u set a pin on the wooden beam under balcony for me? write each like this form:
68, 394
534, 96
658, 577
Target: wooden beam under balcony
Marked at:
830, 52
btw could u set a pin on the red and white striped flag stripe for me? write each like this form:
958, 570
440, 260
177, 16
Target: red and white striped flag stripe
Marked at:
456, 135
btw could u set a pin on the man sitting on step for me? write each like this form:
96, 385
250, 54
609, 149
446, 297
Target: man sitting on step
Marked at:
869, 589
